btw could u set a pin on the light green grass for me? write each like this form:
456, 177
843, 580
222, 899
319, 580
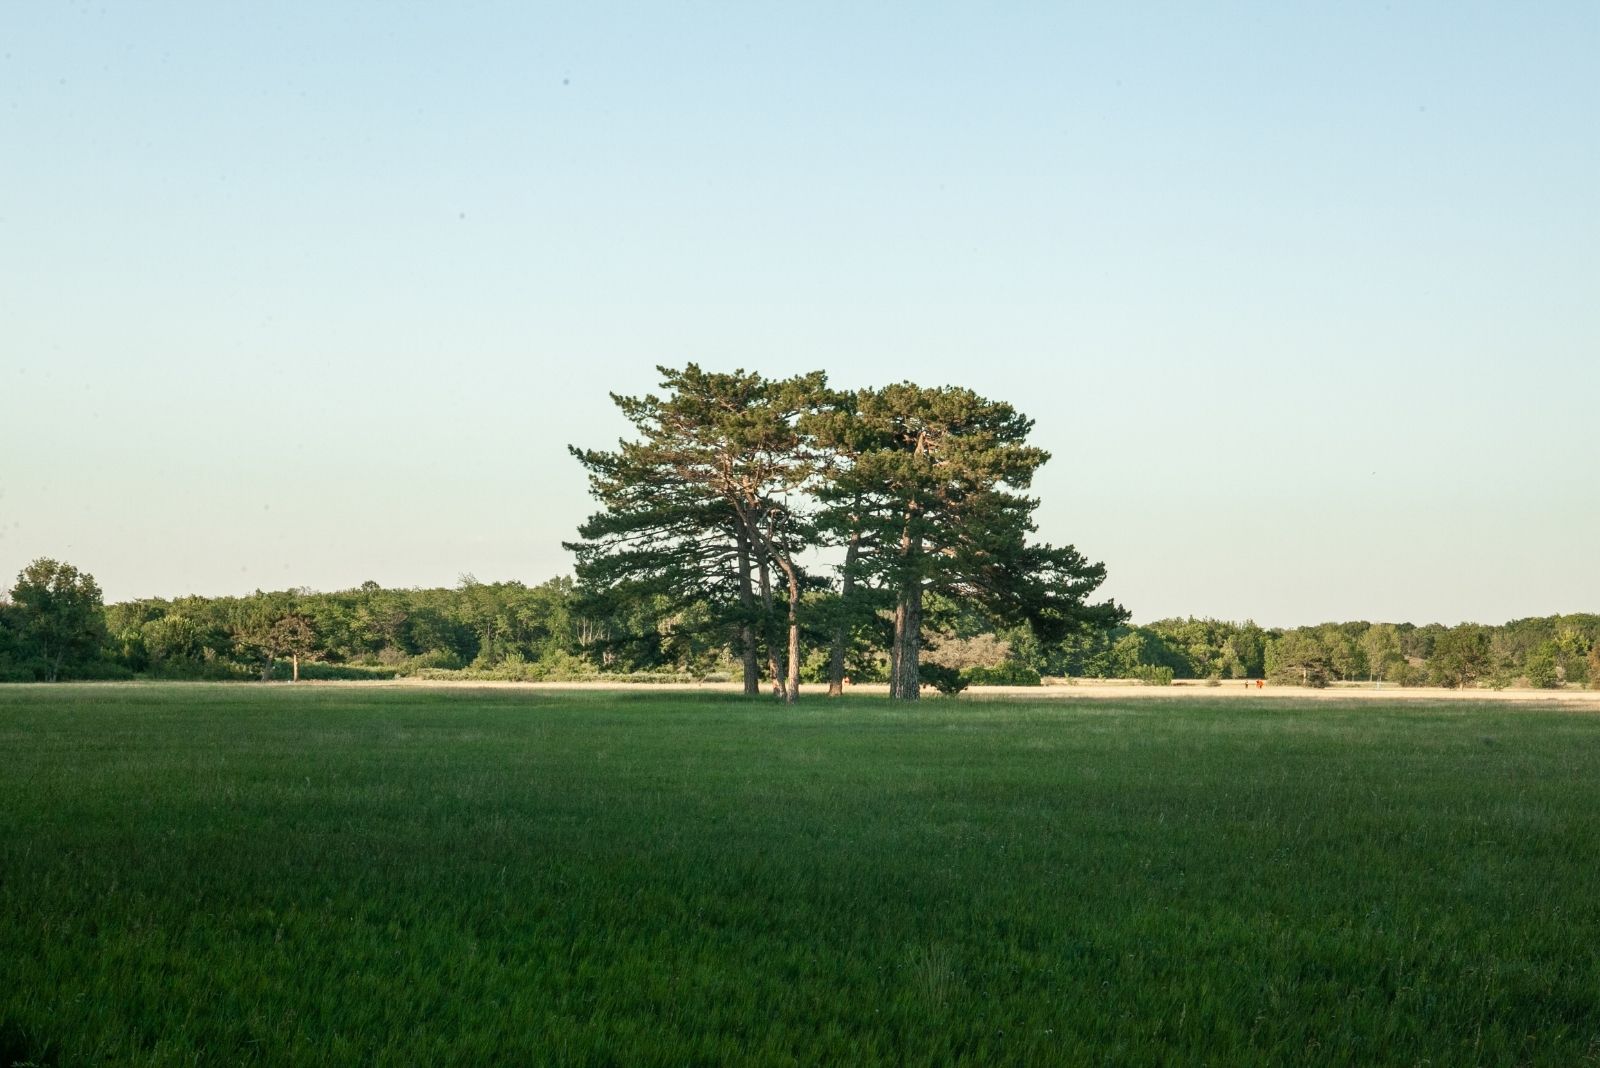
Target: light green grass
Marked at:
275, 875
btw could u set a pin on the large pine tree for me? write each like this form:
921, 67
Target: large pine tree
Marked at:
927, 487
702, 508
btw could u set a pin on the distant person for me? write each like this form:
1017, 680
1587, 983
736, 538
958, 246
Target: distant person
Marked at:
1260, 683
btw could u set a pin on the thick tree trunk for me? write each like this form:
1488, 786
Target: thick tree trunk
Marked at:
266, 669
905, 650
792, 683
747, 629
841, 632
904, 683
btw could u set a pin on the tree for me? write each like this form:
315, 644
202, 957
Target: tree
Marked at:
58, 611
1381, 644
928, 483
294, 637
1461, 656
1298, 659
1594, 666
256, 624
1142, 648
1346, 657
763, 430
699, 509
10, 640
1542, 669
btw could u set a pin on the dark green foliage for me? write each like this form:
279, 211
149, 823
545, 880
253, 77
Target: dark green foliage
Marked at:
1298, 658
13, 667
56, 621
699, 510
930, 484
730, 478
244, 875
1461, 656
1010, 673
946, 680
1542, 669
1192, 648
1152, 675
507, 630
397, 631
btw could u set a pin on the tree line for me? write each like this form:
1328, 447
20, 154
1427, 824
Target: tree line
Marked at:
779, 530
53, 625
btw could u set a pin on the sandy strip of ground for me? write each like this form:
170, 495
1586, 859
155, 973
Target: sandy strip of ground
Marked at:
1100, 689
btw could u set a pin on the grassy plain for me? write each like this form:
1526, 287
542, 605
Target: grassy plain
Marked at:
313, 875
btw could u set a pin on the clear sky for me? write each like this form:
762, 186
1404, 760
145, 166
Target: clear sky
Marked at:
1305, 299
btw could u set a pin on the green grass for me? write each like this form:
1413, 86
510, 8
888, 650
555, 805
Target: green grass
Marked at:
246, 874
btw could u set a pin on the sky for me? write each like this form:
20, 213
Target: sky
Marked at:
1304, 299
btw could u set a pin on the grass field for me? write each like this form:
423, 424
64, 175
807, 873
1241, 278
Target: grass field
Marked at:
318, 875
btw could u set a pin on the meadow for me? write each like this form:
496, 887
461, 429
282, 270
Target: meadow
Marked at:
248, 874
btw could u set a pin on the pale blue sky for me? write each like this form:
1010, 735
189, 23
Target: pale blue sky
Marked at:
1305, 300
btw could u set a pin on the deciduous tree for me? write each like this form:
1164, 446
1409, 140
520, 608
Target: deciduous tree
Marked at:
1381, 645
59, 613
1461, 656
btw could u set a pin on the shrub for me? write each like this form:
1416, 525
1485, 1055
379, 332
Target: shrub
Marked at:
947, 681
439, 659
98, 671
1010, 673
1153, 674
200, 671
312, 669
1541, 670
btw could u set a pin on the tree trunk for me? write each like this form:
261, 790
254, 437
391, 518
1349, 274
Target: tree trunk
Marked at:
791, 684
294, 671
904, 684
841, 632
905, 650
266, 668
747, 628
770, 626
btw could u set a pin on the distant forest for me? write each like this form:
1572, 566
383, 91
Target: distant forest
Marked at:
54, 626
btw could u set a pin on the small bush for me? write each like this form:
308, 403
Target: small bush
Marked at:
98, 671
185, 670
437, 659
947, 681
1010, 673
1153, 674
312, 669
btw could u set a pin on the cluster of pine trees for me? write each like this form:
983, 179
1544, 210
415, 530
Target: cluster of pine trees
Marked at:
735, 486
